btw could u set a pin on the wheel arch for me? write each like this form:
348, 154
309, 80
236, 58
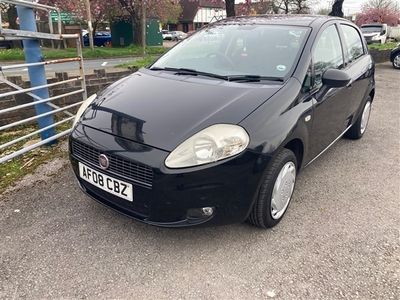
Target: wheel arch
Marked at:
296, 145
372, 94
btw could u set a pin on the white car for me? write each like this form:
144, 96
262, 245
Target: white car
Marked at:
178, 35
375, 33
166, 35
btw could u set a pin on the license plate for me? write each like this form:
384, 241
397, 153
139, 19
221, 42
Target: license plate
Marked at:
114, 186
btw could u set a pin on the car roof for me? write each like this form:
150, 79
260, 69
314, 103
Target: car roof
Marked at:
281, 19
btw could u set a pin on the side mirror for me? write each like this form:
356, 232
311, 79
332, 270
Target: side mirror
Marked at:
383, 32
333, 78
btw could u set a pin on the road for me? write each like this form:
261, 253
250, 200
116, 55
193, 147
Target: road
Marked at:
73, 68
339, 239
89, 65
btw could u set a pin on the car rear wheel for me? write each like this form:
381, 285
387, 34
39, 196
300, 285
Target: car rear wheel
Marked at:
360, 126
276, 190
396, 61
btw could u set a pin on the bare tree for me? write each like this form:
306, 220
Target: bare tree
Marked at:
388, 4
291, 6
230, 8
337, 9
285, 5
300, 7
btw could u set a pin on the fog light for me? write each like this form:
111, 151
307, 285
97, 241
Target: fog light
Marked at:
200, 213
207, 211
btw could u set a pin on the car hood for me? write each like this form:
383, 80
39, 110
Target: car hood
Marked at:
162, 110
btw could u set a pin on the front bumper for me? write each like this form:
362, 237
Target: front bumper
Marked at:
171, 196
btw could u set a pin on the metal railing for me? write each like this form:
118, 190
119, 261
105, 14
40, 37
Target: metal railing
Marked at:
51, 108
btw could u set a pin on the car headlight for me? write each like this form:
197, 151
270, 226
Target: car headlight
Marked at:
209, 145
82, 108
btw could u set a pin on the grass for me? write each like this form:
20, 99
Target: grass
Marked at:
139, 63
387, 46
16, 54
15, 169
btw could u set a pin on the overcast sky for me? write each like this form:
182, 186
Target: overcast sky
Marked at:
349, 6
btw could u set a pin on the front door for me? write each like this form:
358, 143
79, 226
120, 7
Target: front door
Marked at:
330, 117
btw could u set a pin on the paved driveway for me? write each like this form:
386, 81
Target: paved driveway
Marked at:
339, 239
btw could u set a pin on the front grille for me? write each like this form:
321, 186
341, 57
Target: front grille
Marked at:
118, 166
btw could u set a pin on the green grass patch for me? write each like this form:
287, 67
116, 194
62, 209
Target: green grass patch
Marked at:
387, 46
11, 171
98, 52
139, 63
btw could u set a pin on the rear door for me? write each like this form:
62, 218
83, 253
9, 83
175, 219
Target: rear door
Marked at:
358, 66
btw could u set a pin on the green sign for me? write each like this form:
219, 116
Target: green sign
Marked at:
66, 17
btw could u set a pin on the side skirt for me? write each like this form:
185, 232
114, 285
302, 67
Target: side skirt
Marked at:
331, 144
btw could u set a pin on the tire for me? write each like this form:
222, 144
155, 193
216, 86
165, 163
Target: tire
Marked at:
396, 61
359, 128
262, 211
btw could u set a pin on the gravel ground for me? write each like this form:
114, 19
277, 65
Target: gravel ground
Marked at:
339, 239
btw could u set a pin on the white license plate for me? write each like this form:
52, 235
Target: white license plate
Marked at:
114, 186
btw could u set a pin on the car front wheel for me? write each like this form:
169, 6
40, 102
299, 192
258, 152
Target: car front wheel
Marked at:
276, 190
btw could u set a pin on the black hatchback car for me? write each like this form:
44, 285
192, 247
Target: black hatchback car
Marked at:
217, 129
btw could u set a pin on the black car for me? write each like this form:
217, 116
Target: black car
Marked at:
217, 129
395, 57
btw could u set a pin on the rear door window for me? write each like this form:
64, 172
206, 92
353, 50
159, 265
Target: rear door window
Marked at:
353, 42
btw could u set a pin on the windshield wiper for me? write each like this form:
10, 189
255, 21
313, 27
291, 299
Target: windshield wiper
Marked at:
233, 78
253, 78
186, 71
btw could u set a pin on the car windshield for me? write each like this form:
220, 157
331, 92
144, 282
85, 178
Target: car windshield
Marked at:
238, 50
370, 29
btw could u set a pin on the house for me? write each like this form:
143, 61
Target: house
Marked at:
197, 13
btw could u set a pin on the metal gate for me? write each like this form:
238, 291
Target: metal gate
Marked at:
45, 108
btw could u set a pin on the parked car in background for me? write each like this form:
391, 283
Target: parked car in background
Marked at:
395, 57
215, 133
375, 33
100, 39
178, 35
166, 35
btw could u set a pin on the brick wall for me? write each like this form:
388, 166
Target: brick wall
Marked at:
94, 83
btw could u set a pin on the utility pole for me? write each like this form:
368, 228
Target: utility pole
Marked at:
144, 26
89, 17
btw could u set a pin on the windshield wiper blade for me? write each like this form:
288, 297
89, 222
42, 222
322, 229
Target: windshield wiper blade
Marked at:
186, 71
254, 78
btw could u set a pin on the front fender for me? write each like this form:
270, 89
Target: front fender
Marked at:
279, 120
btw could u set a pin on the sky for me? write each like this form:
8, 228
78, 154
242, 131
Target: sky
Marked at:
350, 7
